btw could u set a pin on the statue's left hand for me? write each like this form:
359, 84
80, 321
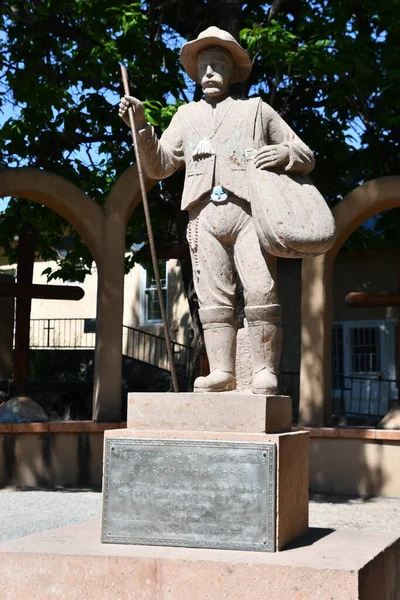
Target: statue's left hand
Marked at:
273, 155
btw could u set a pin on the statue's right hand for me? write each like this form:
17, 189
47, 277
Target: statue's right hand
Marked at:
130, 101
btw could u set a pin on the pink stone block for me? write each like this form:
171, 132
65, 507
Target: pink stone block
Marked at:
292, 471
71, 563
225, 411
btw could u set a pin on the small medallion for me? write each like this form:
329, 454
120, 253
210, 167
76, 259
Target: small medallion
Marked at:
218, 194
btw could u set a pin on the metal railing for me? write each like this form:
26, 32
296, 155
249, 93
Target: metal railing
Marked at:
362, 396
358, 397
152, 349
136, 343
62, 333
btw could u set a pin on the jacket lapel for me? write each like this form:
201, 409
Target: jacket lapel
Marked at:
202, 120
221, 111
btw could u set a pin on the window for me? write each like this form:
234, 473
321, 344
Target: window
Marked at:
150, 305
364, 366
365, 349
89, 326
11, 271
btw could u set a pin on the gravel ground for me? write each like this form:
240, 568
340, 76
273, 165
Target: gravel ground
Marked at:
26, 512
23, 513
341, 512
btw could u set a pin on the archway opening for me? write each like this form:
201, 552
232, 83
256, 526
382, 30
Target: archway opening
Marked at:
365, 341
361, 204
62, 332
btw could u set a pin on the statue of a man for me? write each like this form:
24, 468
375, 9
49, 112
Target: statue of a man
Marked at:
211, 139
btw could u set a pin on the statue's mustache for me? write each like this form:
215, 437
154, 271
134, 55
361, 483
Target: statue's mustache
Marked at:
212, 82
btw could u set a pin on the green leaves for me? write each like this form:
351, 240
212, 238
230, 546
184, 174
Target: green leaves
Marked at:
128, 15
158, 114
329, 68
60, 70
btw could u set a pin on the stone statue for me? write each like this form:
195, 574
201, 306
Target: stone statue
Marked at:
211, 138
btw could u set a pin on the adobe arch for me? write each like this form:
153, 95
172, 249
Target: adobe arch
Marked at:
81, 211
360, 204
103, 231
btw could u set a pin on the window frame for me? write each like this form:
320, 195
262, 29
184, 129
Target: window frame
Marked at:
386, 333
144, 321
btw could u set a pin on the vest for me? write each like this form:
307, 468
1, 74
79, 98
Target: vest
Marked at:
229, 137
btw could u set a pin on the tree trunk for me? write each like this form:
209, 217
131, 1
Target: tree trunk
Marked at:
227, 14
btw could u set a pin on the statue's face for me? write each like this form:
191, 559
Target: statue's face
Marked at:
215, 70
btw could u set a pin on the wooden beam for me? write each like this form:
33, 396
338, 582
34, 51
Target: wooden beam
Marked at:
167, 251
372, 299
45, 292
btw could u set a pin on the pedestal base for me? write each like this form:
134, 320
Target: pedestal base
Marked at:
234, 417
210, 411
292, 468
71, 563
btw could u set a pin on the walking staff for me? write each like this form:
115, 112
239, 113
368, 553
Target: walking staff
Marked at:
150, 234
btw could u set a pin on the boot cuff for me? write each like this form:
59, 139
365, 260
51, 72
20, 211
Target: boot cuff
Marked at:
269, 314
219, 314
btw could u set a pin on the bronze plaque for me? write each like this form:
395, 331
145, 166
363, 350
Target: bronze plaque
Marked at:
199, 494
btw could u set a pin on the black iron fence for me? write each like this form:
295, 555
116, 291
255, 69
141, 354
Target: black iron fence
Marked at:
81, 334
62, 333
363, 397
358, 397
152, 349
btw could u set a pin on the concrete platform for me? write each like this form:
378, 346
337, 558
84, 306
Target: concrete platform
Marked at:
71, 563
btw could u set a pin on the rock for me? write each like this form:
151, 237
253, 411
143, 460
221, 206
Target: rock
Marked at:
21, 409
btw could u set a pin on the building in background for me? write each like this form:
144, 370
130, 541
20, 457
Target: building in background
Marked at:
364, 340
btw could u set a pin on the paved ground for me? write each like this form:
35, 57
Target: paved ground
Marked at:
340, 512
23, 513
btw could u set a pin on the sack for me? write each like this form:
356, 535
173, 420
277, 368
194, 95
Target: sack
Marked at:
291, 217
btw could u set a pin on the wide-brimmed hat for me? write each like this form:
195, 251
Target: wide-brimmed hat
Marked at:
213, 36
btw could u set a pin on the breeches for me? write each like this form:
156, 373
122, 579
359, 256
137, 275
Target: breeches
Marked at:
223, 244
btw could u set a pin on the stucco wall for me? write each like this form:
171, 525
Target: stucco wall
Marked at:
355, 462
365, 271
342, 461
369, 270
177, 307
40, 455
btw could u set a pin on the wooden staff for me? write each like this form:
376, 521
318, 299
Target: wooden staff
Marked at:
150, 233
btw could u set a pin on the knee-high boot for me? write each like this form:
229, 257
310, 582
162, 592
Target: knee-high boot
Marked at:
265, 332
220, 341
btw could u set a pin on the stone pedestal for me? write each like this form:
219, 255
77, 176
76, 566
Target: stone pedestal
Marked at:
225, 411
71, 563
233, 417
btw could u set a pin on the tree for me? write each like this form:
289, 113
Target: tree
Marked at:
329, 68
60, 73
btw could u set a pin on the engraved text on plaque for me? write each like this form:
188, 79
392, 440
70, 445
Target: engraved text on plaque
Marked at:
205, 494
